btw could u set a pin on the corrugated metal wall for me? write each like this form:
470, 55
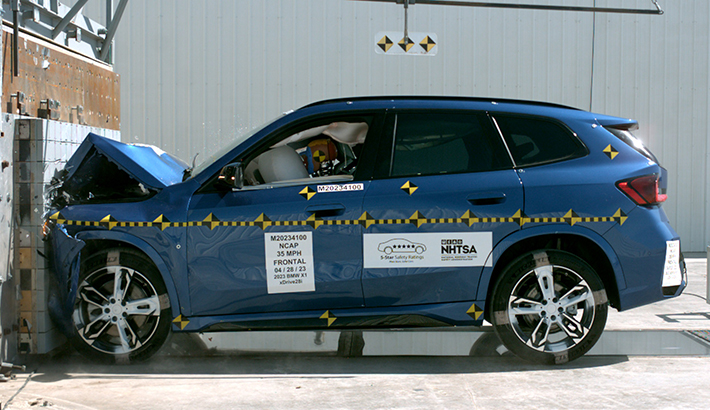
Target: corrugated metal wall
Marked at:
655, 69
197, 73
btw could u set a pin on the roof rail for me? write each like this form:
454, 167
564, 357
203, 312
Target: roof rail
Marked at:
435, 98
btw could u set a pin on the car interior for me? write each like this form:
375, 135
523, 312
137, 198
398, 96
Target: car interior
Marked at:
328, 152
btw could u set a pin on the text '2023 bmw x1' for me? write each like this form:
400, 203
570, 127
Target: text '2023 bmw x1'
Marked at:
365, 213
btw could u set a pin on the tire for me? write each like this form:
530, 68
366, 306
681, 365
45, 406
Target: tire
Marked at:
120, 324
351, 343
549, 307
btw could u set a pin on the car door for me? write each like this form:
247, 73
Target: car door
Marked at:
279, 245
443, 195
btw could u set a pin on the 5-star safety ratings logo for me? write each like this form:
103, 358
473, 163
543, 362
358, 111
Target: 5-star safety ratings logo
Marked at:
396, 43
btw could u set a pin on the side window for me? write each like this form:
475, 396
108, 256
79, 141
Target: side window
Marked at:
443, 143
535, 141
326, 149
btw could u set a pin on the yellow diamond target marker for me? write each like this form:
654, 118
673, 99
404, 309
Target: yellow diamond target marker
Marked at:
474, 311
409, 187
307, 193
366, 219
571, 218
181, 322
108, 219
620, 217
212, 221
406, 43
427, 44
162, 221
418, 219
319, 156
611, 152
329, 316
385, 44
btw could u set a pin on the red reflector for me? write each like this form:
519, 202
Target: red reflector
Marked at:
642, 190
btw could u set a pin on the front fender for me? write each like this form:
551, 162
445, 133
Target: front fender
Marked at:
65, 261
144, 247
547, 230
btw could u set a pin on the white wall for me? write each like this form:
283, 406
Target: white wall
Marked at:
197, 73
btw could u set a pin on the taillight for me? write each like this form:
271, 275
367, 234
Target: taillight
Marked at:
642, 190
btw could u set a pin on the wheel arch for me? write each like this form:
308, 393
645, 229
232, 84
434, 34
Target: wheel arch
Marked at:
590, 247
99, 240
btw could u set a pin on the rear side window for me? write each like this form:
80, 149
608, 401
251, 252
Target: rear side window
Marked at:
635, 143
443, 143
536, 141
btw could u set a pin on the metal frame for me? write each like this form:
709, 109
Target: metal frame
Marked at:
657, 11
112, 23
57, 22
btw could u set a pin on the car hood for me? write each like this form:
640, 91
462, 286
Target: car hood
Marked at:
147, 164
104, 170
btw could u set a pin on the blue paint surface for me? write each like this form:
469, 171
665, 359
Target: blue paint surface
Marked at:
208, 240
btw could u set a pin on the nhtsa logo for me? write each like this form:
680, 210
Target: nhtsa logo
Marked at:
456, 247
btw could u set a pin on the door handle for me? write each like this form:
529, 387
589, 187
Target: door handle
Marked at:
486, 198
324, 210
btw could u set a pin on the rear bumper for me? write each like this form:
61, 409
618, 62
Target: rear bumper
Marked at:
648, 250
671, 290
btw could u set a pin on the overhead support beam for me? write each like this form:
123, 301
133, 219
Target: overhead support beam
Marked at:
111, 31
68, 18
657, 11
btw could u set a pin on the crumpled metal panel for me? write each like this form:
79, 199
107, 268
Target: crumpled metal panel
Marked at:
148, 165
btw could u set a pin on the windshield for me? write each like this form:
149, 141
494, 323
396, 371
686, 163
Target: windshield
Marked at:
224, 150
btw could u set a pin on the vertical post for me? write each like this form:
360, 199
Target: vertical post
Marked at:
109, 18
707, 278
406, 7
15, 37
111, 29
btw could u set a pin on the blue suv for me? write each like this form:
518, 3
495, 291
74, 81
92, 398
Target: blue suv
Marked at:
368, 213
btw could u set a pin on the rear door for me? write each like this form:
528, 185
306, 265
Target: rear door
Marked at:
443, 194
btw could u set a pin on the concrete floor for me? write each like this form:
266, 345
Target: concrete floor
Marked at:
646, 359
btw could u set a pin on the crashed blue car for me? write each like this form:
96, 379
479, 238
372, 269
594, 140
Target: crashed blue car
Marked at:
382, 212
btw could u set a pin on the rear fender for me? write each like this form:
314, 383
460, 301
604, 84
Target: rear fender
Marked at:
488, 276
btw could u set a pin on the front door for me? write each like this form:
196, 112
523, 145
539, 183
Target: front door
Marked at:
290, 240
259, 252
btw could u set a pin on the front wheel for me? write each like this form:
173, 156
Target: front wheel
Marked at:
121, 312
549, 307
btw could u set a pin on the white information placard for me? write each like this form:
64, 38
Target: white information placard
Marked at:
424, 250
671, 271
289, 262
358, 186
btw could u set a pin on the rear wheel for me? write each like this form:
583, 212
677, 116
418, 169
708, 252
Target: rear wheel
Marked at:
549, 307
121, 312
